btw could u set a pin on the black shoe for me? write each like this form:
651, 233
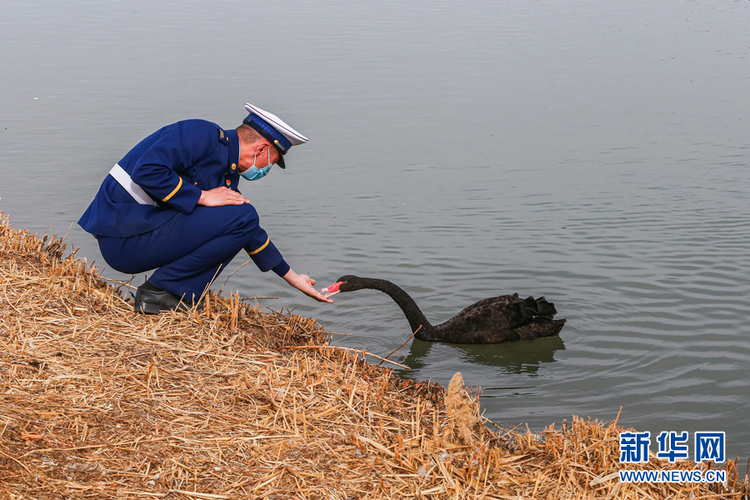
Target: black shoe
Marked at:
151, 300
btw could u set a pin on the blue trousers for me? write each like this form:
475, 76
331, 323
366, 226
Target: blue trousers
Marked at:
189, 250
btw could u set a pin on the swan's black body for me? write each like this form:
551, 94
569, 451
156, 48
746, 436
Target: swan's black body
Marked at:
490, 321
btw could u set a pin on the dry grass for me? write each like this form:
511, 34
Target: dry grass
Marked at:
97, 402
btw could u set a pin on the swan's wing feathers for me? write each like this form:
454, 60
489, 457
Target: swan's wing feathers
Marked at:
492, 313
508, 310
503, 319
481, 307
546, 310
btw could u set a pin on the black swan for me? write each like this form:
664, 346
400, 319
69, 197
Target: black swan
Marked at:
490, 321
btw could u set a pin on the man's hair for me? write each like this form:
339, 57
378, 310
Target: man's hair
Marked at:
248, 134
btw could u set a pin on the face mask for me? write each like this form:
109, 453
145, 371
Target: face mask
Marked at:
254, 173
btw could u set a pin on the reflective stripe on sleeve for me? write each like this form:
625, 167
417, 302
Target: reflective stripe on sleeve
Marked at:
268, 240
179, 185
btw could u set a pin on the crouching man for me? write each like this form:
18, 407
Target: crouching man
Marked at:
173, 204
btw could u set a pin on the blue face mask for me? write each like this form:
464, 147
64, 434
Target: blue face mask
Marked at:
254, 173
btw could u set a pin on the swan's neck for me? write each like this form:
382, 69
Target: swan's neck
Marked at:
412, 312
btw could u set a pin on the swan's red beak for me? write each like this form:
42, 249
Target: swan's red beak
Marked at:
332, 290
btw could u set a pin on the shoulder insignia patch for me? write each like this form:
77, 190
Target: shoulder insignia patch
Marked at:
223, 137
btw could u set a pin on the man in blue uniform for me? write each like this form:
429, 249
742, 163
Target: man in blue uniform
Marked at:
173, 204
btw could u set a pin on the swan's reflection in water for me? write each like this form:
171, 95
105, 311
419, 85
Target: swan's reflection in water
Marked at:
524, 357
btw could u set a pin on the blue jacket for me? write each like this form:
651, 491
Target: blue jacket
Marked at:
173, 165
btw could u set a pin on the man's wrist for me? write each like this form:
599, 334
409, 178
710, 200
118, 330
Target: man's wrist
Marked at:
282, 268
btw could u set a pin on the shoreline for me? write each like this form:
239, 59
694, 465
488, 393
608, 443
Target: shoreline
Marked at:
232, 402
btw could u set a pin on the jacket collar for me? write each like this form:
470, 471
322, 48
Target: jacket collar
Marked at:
234, 151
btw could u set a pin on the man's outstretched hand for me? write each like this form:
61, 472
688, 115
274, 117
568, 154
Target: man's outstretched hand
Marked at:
304, 284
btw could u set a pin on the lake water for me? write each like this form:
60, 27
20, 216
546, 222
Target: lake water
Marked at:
594, 153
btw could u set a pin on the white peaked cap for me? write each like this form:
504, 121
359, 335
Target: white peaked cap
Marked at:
294, 137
